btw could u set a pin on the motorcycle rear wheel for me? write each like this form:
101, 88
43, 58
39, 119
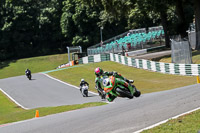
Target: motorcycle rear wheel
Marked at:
137, 93
124, 93
86, 93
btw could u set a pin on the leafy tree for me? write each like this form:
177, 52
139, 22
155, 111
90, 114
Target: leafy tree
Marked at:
197, 22
81, 22
30, 28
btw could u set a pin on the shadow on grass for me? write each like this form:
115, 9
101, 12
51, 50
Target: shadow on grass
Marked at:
159, 58
4, 64
195, 53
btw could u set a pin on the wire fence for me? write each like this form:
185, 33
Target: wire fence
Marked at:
192, 35
181, 51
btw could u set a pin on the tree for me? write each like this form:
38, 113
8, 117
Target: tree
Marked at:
29, 28
197, 22
81, 22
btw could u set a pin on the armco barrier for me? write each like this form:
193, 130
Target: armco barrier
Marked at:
168, 68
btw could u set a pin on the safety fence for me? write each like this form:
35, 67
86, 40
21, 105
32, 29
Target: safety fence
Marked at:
168, 68
181, 51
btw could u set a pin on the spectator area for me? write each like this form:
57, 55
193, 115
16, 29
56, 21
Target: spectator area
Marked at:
133, 39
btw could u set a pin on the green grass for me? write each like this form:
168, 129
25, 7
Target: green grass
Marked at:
195, 58
10, 112
145, 81
185, 124
35, 64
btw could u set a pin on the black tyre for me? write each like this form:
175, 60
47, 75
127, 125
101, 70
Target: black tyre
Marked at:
124, 93
137, 93
29, 77
86, 93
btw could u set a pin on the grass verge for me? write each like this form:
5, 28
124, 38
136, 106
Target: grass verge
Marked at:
185, 124
145, 81
35, 64
9, 112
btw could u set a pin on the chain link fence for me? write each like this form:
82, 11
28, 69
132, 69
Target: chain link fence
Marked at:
181, 51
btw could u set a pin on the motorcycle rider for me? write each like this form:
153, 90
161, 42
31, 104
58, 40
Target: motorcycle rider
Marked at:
99, 72
27, 71
83, 82
107, 82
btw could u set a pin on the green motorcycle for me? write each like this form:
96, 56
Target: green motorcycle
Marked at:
116, 87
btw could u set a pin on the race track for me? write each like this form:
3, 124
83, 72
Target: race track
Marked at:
122, 116
43, 91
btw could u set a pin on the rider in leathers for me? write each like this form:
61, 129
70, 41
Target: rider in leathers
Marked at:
99, 72
106, 84
27, 71
83, 82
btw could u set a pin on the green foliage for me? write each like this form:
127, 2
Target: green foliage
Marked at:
31, 28
79, 22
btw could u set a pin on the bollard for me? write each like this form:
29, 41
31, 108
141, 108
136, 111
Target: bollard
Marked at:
198, 80
36, 114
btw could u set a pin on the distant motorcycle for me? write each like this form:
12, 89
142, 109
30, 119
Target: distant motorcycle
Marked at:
28, 75
84, 90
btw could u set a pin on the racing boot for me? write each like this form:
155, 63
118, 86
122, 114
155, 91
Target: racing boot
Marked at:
131, 81
128, 81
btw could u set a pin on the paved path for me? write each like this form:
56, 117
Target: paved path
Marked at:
150, 56
43, 91
124, 116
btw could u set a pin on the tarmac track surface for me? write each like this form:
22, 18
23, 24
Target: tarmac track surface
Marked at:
123, 116
43, 91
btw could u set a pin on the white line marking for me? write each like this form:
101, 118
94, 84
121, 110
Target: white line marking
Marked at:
159, 123
13, 100
67, 83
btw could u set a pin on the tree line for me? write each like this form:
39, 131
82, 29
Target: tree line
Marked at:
34, 27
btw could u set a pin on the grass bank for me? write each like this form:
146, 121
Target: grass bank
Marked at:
10, 112
185, 124
145, 81
35, 64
